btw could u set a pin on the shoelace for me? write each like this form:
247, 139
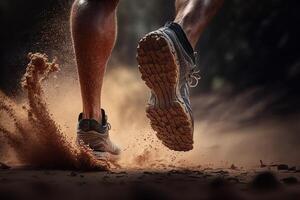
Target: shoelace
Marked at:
109, 126
194, 76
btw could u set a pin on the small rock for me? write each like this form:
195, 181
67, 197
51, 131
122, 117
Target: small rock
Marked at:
148, 173
49, 173
265, 181
3, 180
218, 183
233, 180
233, 167
122, 172
262, 165
282, 167
292, 169
82, 183
198, 173
193, 176
141, 177
122, 182
4, 166
173, 171
297, 170
290, 180
221, 172
73, 174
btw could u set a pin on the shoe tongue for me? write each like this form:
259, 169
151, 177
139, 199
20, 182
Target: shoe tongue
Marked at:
182, 38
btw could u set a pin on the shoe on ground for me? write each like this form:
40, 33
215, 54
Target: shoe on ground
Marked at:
95, 135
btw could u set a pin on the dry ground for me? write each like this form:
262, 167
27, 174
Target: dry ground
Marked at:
169, 183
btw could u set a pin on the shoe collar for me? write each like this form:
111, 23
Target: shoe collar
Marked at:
92, 124
181, 35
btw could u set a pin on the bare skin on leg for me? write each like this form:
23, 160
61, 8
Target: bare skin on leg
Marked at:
194, 15
93, 27
93, 24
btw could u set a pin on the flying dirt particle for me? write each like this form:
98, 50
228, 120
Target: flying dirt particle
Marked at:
143, 159
37, 140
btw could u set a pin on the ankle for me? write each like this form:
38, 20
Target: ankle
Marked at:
193, 31
194, 15
94, 114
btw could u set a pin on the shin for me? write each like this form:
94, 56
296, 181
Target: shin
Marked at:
93, 27
194, 15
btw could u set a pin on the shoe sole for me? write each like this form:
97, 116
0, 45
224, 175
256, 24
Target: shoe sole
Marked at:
160, 71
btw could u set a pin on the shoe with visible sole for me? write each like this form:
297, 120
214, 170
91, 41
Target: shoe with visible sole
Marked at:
167, 64
95, 135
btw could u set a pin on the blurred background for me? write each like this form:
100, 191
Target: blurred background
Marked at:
246, 106
249, 46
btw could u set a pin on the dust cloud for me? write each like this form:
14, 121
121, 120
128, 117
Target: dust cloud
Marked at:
30, 131
225, 132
